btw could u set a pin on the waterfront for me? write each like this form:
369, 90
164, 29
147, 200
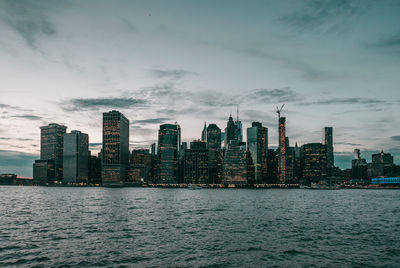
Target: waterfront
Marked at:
56, 226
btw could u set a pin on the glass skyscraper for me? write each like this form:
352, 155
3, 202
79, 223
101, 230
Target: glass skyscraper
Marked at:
51, 147
257, 144
169, 140
76, 157
115, 154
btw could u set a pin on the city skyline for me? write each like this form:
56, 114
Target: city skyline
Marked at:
160, 63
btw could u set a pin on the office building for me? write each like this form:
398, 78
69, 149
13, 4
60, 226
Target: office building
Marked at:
234, 167
257, 144
51, 147
314, 162
43, 171
169, 141
115, 148
76, 157
196, 163
214, 153
327, 140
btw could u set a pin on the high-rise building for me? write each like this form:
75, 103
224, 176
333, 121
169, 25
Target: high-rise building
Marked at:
381, 165
359, 167
230, 131
94, 169
282, 151
272, 166
257, 144
115, 148
327, 139
43, 171
169, 140
196, 163
204, 132
314, 163
76, 157
51, 147
234, 166
142, 160
214, 153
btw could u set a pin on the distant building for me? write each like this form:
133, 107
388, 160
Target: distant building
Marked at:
196, 163
214, 153
51, 147
143, 159
235, 165
169, 140
204, 132
359, 167
282, 151
43, 171
94, 170
8, 179
381, 166
76, 157
230, 131
257, 144
115, 148
272, 166
314, 163
327, 140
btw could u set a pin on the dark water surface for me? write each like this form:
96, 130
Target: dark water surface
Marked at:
43, 226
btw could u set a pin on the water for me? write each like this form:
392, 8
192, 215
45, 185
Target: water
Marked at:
44, 226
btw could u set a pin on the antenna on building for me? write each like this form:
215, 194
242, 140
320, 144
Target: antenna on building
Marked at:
278, 111
237, 113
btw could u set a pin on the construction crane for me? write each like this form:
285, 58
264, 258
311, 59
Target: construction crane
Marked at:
278, 111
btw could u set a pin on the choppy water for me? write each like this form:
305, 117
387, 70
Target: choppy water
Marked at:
42, 226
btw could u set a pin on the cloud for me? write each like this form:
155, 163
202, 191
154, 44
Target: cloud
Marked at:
343, 101
285, 94
28, 19
174, 74
395, 138
14, 158
28, 116
320, 14
96, 103
151, 121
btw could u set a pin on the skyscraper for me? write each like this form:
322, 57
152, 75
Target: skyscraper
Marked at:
314, 163
115, 148
230, 131
196, 163
235, 164
51, 147
76, 157
214, 153
282, 150
204, 132
327, 139
169, 140
257, 144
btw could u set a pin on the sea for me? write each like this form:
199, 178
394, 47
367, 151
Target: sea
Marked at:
164, 227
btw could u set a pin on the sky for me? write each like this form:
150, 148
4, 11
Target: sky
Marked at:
332, 63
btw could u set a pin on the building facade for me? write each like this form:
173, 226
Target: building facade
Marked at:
327, 140
214, 153
115, 154
52, 147
282, 151
257, 144
169, 140
76, 157
314, 162
234, 166
196, 163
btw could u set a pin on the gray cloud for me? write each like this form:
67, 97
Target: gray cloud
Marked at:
151, 121
285, 94
96, 103
14, 158
318, 13
28, 19
395, 138
171, 73
28, 116
343, 101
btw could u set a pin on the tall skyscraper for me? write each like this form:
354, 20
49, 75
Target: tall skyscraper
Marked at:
169, 140
196, 163
214, 153
115, 148
230, 131
257, 144
282, 150
235, 164
76, 157
204, 132
327, 139
51, 147
314, 163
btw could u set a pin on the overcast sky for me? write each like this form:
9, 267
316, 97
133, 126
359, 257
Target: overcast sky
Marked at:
333, 63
